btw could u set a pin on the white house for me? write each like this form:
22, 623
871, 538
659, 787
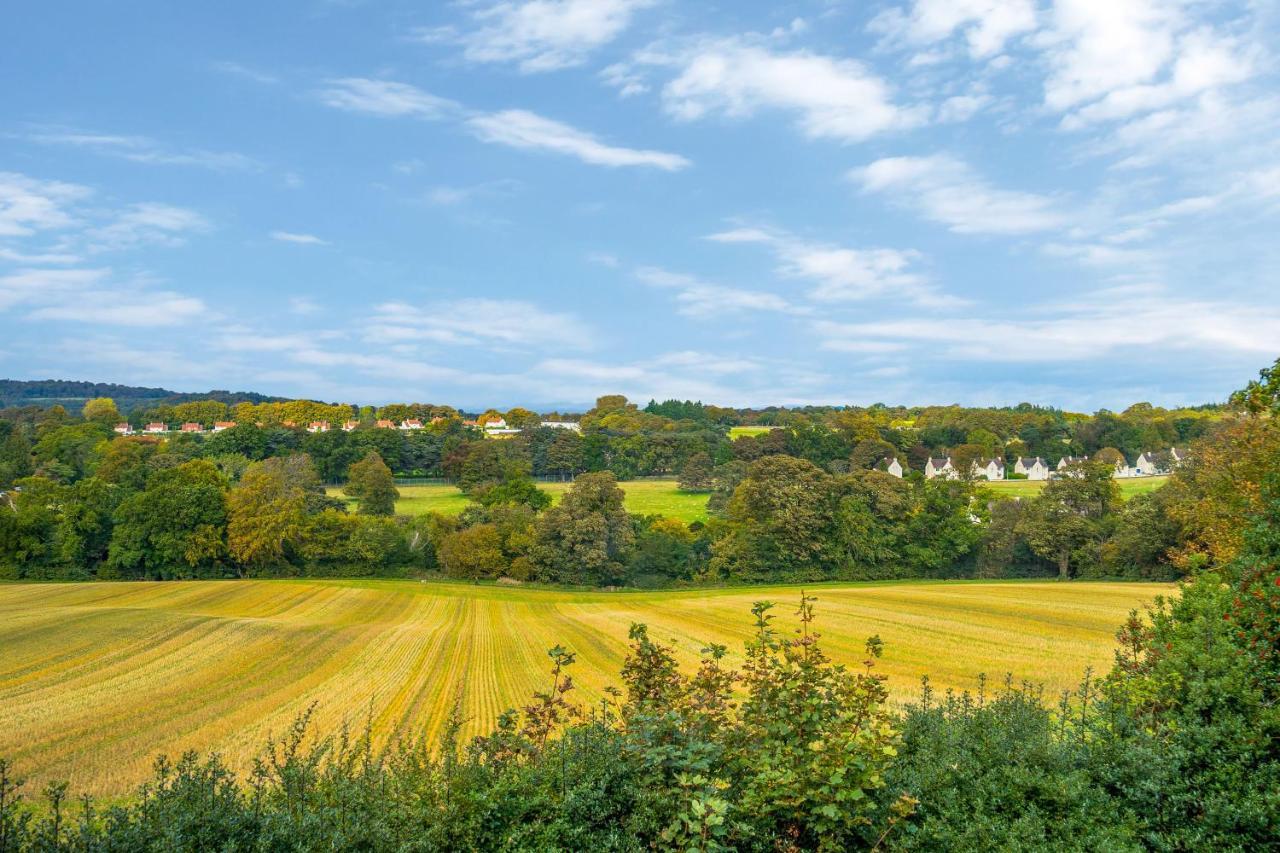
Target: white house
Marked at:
940, 467
350, 425
991, 469
1067, 461
412, 423
124, 429
890, 465
318, 426
573, 425
1034, 467
155, 429
1155, 462
219, 426
495, 424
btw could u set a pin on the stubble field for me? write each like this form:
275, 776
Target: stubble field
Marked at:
97, 679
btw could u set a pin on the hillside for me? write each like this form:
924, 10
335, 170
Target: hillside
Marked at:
71, 395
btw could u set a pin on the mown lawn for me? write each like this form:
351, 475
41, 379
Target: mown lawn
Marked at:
646, 497
740, 431
96, 679
1030, 488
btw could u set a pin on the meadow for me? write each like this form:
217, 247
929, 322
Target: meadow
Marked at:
645, 497
96, 679
664, 497
1129, 487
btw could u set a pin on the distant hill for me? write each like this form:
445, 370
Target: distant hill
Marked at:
72, 395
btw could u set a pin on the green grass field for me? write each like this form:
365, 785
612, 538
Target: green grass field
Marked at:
646, 497
740, 431
97, 678
1129, 487
663, 497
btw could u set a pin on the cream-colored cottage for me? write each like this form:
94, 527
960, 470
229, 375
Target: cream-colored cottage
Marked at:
1033, 467
939, 467
890, 465
990, 469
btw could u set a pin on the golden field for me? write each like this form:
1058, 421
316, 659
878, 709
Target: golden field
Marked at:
98, 678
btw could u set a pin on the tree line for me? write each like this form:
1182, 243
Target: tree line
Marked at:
800, 503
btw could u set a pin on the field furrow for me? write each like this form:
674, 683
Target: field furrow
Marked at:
97, 679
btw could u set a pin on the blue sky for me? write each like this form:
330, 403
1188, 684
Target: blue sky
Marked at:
538, 201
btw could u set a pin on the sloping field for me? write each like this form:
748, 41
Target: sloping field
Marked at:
1129, 486
96, 679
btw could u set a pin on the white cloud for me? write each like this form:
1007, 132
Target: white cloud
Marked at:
303, 306
841, 274
1095, 327
90, 296
523, 129
296, 237
142, 149
698, 298
28, 205
237, 69
946, 190
146, 223
835, 98
504, 322
1123, 58
149, 308
385, 98
986, 24
544, 35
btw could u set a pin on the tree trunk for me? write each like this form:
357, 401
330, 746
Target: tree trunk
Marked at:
1064, 566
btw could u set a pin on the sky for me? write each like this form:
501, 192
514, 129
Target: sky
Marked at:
535, 202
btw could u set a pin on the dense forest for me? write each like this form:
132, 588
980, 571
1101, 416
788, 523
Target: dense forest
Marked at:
802, 501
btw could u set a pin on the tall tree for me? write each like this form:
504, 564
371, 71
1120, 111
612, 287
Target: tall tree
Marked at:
587, 538
370, 482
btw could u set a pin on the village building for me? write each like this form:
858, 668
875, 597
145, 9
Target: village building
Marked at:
123, 429
219, 426
1034, 467
412, 423
571, 425
891, 466
318, 426
939, 467
155, 428
384, 424
1067, 461
350, 425
990, 469
191, 428
1152, 463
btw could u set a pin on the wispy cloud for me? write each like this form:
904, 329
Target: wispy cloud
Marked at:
386, 98
297, 238
985, 24
834, 98
523, 129
1096, 327
698, 298
28, 205
93, 296
842, 274
513, 128
142, 149
947, 190
146, 223
540, 35
474, 322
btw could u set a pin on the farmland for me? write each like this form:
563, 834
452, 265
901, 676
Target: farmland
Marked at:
97, 678
645, 497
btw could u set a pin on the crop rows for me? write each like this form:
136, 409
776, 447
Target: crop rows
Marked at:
96, 679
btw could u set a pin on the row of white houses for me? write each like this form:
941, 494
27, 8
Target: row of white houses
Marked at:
493, 427
1148, 464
